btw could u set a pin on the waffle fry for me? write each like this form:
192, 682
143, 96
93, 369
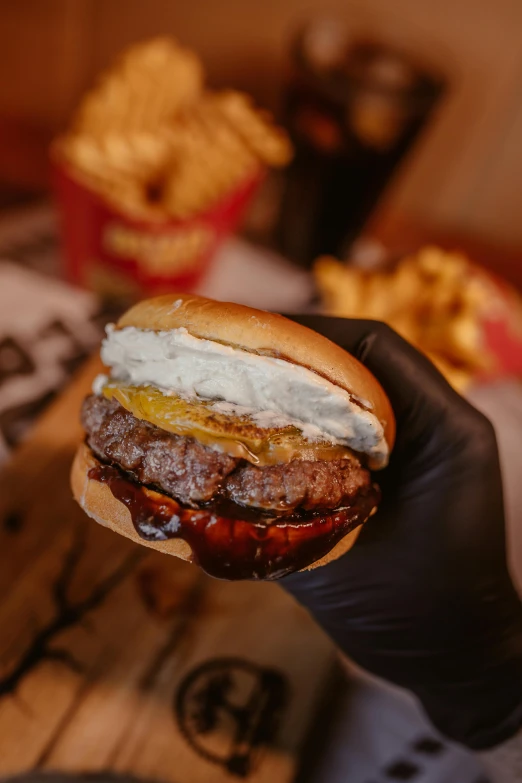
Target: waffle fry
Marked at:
146, 87
153, 142
432, 299
253, 127
208, 158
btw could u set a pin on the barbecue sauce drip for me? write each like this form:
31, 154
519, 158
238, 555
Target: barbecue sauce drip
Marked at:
229, 548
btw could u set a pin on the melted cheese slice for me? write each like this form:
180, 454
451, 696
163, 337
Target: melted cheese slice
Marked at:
239, 436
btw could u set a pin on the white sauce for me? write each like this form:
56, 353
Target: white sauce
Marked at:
269, 389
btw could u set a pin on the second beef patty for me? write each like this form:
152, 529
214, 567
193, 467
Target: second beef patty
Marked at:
194, 474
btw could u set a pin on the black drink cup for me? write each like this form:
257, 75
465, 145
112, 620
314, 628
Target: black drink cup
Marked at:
353, 111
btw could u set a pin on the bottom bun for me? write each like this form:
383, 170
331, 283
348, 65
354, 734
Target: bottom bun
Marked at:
98, 501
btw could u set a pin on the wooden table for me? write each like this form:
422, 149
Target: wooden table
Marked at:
114, 657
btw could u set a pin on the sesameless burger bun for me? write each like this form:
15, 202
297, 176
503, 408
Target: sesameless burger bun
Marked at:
268, 334
231, 437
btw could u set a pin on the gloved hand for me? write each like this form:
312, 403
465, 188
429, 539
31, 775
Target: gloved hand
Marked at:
424, 599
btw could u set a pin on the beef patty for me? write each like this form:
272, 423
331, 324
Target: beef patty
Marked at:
195, 475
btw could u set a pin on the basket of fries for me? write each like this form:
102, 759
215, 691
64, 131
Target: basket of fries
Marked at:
466, 320
155, 170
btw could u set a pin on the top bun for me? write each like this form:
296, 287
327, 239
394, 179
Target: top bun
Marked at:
269, 334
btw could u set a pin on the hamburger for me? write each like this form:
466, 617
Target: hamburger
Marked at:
231, 437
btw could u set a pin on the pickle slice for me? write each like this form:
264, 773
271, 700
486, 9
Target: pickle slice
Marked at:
239, 436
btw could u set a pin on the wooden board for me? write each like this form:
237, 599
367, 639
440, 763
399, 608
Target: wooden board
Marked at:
113, 657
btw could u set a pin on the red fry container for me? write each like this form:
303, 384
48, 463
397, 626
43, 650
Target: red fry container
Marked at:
124, 258
502, 328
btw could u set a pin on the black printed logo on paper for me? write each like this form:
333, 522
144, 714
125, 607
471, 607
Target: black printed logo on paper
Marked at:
229, 709
32, 370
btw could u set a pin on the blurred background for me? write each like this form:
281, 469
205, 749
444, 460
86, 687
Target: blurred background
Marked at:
466, 170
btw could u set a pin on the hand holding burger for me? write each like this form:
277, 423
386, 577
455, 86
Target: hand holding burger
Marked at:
244, 441
231, 437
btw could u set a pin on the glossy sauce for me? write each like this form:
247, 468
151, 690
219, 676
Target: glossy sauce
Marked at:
229, 548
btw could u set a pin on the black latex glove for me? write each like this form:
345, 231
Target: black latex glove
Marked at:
424, 599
